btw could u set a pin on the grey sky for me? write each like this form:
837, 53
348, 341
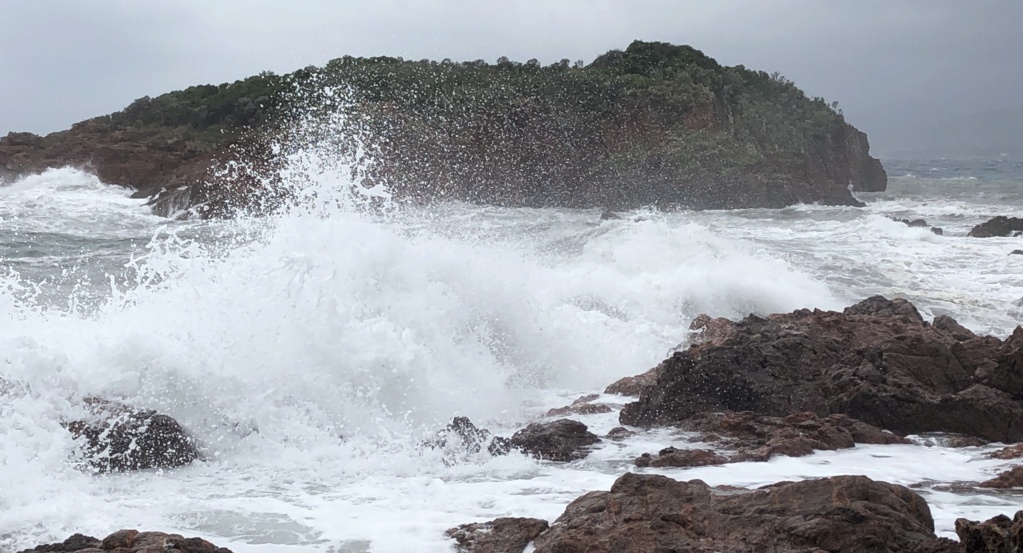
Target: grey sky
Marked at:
892, 65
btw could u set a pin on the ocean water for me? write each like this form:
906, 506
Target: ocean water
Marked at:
312, 352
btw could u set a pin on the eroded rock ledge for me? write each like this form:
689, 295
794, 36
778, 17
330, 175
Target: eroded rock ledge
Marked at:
877, 361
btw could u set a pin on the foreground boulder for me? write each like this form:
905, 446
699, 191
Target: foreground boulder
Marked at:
646, 513
998, 226
877, 361
118, 437
131, 541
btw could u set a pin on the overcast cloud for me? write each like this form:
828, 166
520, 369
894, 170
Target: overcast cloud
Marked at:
892, 65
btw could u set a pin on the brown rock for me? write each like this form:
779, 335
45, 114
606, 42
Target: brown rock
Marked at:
1012, 478
633, 385
671, 457
1014, 451
997, 535
561, 440
502, 535
120, 438
131, 541
581, 406
877, 361
757, 437
645, 513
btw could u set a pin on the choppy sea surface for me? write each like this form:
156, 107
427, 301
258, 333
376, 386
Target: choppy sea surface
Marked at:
313, 351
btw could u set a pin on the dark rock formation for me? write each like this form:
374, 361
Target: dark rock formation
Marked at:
560, 440
1016, 252
118, 437
502, 535
644, 513
878, 361
655, 124
998, 226
131, 541
758, 438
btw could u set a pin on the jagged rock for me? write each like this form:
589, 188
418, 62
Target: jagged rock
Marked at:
878, 361
560, 440
608, 215
632, 385
502, 535
997, 535
131, 541
461, 437
1012, 478
119, 437
997, 226
644, 513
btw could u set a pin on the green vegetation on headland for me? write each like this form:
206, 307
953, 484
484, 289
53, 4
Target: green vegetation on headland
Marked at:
656, 124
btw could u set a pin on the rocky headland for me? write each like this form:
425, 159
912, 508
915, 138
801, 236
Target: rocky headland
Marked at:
655, 124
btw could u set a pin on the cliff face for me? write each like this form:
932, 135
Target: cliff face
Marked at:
654, 125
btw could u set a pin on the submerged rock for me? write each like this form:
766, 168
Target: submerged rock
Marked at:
119, 437
877, 361
560, 440
502, 535
644, 513
131, 541
1012, 478
997, 226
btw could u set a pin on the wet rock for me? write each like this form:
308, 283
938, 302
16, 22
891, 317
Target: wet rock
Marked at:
758, 438
644, 513
997, 226
1012, 478
672, 457
462, 438
502, 535
561, 440
938, 230
581, 406
619, 433
1016, 252
1008, 452
878, 361
997, 535
608, 215
633, 385
131, 541
119, 437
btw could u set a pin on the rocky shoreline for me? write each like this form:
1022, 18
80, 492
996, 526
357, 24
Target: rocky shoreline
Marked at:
786, 384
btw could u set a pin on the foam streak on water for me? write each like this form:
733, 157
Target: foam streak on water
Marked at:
313, 350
